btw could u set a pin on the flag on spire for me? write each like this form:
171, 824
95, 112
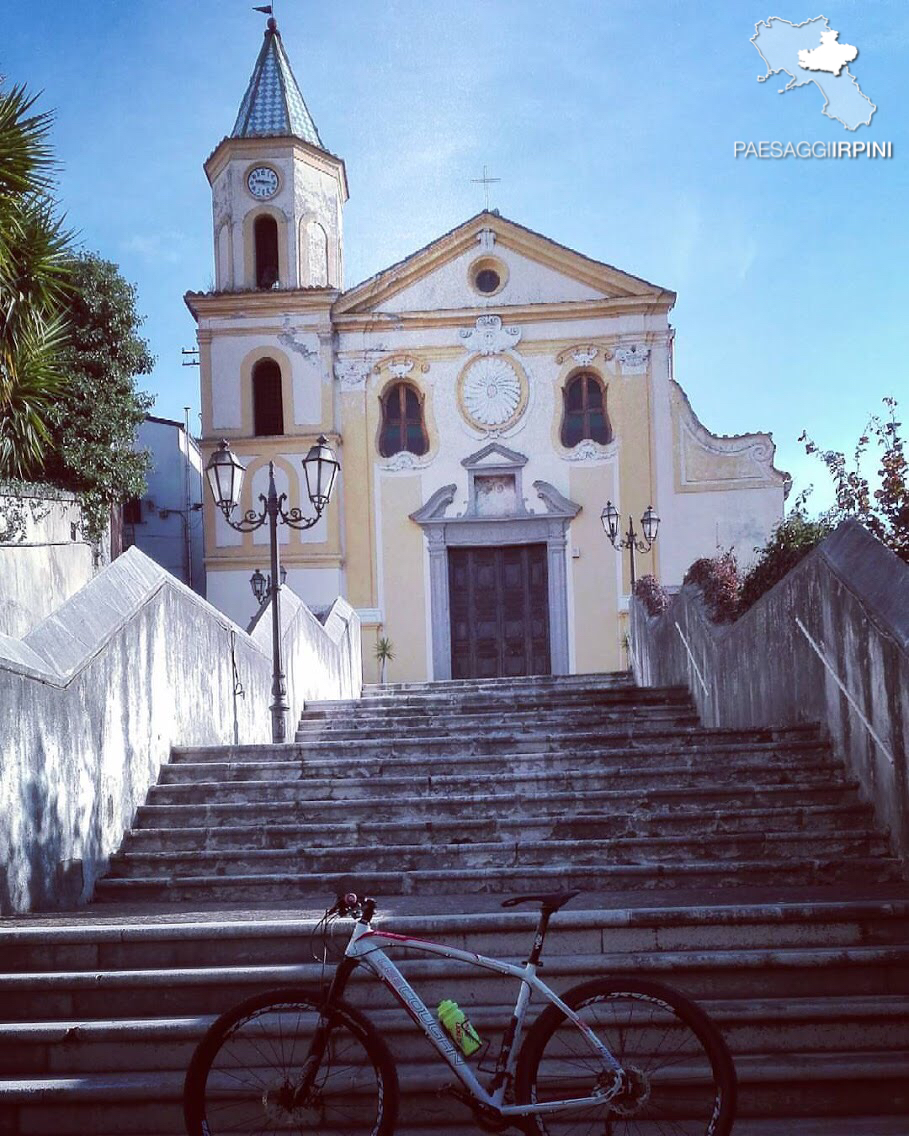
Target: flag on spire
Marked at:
265, 9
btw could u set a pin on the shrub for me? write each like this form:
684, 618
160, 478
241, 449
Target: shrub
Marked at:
654, 598
718, 579
792, 540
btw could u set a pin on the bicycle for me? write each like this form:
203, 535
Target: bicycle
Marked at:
610, 1056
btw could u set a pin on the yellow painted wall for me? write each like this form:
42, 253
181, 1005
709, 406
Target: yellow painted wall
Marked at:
405, 586
596, 630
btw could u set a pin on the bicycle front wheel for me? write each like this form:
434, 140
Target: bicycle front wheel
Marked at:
679, 1076
256, 1071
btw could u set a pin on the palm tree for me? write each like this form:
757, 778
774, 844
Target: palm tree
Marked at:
34, 254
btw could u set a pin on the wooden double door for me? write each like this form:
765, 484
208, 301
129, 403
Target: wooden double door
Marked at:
499, 602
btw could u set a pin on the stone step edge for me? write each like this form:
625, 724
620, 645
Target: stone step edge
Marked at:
830, 769
751, 1069
593, 678
815, 1010
656, 870
630, 962
722, 735
784, 753
606, 795
731, 914
771, 816
512, 847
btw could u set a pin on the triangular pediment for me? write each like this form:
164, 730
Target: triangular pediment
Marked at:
494, 456
536, 271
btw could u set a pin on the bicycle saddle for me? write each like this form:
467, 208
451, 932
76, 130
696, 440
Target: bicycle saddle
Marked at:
550, 903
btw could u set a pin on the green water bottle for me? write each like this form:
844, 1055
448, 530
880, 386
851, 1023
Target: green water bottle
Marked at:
462, 1032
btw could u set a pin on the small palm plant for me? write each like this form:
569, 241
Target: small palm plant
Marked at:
384, 653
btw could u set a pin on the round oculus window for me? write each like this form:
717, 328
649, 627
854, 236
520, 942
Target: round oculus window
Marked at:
487, 275
487, 280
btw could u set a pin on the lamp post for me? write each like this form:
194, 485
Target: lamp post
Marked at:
650, 523
225, 478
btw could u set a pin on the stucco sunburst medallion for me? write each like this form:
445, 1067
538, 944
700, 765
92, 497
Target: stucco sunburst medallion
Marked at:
492, 393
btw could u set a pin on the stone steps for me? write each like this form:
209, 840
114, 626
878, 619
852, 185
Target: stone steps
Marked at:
406, 708
458, 723
275, 887
280, 832
443, 798
525, 755
571, 850
795, 1046
642, 735
877, 1024
358, 781
717, 806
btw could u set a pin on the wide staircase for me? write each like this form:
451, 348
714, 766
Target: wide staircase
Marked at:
739, 865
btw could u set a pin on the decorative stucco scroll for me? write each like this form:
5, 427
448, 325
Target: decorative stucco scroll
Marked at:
591, 451
403, 461
633, 359
489, 337
401, 368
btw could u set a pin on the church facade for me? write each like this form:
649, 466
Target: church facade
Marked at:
486, 397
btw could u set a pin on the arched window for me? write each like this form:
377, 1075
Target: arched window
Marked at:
265, 235
584, 413
402, 422
268, 402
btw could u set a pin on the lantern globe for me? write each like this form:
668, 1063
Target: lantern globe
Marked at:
257, 582
225, 478
610, 520
650, 524
321, 468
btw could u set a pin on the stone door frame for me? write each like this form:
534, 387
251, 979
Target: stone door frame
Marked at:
471, 529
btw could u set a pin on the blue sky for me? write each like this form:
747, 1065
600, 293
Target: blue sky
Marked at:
611, 126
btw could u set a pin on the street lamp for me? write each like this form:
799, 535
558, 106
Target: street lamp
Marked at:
225, 477
650, 523
261, 584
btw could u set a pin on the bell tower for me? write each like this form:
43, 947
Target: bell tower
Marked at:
265, 331
277, 193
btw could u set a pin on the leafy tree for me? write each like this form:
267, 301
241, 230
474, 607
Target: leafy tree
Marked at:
95, 419
885, 511
34, 250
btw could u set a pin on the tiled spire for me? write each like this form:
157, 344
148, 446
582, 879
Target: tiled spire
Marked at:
273, 104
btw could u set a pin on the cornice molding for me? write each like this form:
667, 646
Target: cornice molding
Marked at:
277, 302
251, 149
518, 313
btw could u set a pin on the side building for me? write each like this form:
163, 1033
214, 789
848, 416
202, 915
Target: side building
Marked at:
166, 522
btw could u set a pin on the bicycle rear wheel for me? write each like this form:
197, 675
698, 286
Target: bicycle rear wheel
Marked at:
680, 1077
246, 1074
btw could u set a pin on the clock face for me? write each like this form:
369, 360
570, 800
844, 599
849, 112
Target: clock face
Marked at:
262, 182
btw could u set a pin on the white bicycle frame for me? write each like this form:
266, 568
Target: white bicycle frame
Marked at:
366, 947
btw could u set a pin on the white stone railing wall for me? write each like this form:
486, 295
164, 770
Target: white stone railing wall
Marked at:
93, 699
829, 644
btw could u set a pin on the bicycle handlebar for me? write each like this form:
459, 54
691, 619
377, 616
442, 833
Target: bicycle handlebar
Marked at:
354, 906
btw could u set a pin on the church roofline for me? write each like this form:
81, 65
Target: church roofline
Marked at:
404, 272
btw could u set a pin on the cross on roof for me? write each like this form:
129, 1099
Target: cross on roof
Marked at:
486, 181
